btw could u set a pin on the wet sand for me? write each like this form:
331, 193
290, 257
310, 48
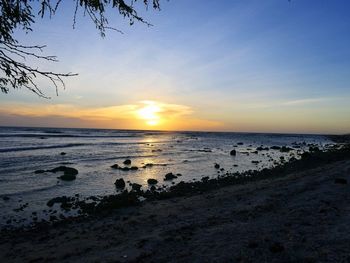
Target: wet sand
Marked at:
300, 217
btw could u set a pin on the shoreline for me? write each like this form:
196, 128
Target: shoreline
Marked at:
297, 195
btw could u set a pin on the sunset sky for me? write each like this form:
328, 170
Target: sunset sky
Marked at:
254, 66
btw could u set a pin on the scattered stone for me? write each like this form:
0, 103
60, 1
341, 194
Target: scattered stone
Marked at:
252, 244
262, 148
63, 153
136, 187
233, 153
255, 162
69, 173
127, 162
285, 149
5, 198
275, 147
217, 166
147, 165
276, 247
340, 181
152, 181
134, 168
120, 183
169, 176
240, 143
115, 166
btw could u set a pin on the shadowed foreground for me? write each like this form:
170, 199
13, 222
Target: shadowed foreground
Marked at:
302, 217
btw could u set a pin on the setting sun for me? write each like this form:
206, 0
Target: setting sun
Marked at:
149, 113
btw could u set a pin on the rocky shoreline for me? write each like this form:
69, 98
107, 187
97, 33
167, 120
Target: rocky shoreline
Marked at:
295, 213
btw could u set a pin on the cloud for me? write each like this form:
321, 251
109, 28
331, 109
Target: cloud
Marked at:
169, 116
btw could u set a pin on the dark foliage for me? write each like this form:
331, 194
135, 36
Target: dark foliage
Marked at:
15, 15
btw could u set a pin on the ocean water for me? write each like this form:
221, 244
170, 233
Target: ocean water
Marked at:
23, 194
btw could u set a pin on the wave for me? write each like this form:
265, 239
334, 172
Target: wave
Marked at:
60, 135
30, 148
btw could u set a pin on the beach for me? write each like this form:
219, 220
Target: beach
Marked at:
300, 216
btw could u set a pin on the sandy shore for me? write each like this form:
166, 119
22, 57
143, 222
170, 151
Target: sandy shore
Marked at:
301, 217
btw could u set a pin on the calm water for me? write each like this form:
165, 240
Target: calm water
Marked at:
93, 151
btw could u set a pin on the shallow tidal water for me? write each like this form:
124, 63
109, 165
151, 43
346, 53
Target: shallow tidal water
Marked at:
24, 194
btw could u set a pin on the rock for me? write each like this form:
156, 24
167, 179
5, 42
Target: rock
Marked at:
120, 183
69, 173
178, 175
255, 162
67, 177
5, 198
115, 166
169, 176
127, 162
275, 147
39, 171
136, 187
134, 168
285, 149
63, 153
240, 143
152, 181
65, 169
276, 247
340, 181
262, 148
147, 165
233, 153
217, 166
124, 168
252, 244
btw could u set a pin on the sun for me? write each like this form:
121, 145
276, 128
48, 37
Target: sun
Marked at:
149, 113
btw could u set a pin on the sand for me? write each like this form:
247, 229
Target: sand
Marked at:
300, 217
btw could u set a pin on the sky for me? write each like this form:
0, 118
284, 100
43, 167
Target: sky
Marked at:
242, 66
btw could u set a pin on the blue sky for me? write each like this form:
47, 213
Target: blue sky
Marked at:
264, 65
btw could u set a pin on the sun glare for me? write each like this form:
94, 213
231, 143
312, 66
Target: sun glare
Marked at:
149, 113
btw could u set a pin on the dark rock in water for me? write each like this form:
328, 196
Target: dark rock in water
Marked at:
69, 172
133, 168
5, 198
147, 165
276, 247
240, 143
136, 187
65, 169
256, 152
178, 174
275, 147
340, 181
152, 181
62, 200
39, 171
217, 166
120, 183
169, 176
285, 149
314, 149
115, 166
255, 162
262, 148
63, 153
153, 188
67, 177
127, 162
124, 168
235, 165
233, 153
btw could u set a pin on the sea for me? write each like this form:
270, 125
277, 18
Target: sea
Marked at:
24, 193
